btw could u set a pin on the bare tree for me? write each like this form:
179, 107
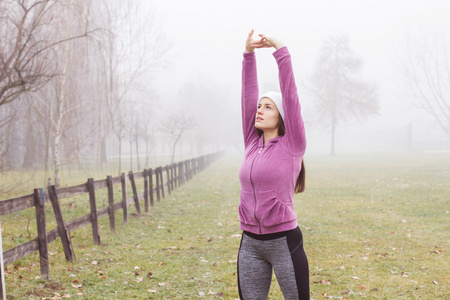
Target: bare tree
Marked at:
425, 66
147, 134
137, 48
7, 115
26, 47
338, 92
58, 102
176, 125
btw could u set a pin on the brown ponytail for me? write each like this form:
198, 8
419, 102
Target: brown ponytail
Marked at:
300, 185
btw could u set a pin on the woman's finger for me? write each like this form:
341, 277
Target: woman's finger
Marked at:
251, 33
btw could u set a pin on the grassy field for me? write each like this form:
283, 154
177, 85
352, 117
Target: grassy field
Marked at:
375, 226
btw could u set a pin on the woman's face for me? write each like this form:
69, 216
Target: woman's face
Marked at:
267, 115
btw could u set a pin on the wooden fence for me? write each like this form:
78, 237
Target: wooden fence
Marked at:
176, 175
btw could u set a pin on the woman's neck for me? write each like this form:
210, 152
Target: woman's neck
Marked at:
270, 135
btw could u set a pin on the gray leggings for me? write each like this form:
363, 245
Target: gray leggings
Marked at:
282, 252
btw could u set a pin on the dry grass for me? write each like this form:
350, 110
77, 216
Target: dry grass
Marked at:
375, 226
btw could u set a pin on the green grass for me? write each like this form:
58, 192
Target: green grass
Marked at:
375, 226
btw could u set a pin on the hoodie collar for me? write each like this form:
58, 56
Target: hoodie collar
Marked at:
271, 141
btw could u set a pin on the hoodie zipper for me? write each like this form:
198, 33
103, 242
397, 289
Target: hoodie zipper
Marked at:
254, 192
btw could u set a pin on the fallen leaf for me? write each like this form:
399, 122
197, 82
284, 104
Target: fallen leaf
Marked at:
151, 291
323, 281
94, 262
362, 287
77, 286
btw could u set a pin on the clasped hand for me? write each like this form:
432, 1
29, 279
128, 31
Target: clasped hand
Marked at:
263, 42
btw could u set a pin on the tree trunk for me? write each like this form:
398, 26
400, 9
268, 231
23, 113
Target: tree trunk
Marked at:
131, 153
120, 155
30, 145
146, 153
61, 105
174, 145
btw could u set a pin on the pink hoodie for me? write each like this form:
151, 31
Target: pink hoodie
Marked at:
268, 174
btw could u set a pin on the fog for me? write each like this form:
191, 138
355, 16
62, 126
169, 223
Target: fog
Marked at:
120, 84
209, 36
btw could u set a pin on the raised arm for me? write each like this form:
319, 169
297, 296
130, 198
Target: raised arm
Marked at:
295, 138
249, 96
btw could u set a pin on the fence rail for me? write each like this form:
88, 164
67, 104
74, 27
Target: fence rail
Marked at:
176, 175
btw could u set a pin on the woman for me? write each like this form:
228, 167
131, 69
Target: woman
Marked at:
272, 170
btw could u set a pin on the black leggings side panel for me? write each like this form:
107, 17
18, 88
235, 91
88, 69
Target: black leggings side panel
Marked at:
300, 262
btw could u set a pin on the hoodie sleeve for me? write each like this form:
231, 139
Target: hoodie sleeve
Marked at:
294, 137
249, 97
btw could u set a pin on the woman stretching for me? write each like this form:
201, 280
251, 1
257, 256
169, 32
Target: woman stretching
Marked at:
271, 172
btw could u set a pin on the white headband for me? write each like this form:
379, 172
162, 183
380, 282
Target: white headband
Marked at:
277, 99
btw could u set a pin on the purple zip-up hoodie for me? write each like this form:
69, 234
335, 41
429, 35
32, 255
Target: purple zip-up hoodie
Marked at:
269, 172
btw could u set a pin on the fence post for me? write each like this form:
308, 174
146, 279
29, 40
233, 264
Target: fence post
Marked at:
150, 183
135, 194
175, 176
168, 179
112, 217
93, 205
171, 176
145, 190
189, 164
162, 181
39, 203
123, 181
158, 189
186, 170
180, 173
62, 230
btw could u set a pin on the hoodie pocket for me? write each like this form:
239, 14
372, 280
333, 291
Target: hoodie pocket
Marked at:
247, 208
273, 211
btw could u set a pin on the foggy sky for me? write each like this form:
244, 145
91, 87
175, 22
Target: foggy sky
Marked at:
208, 40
